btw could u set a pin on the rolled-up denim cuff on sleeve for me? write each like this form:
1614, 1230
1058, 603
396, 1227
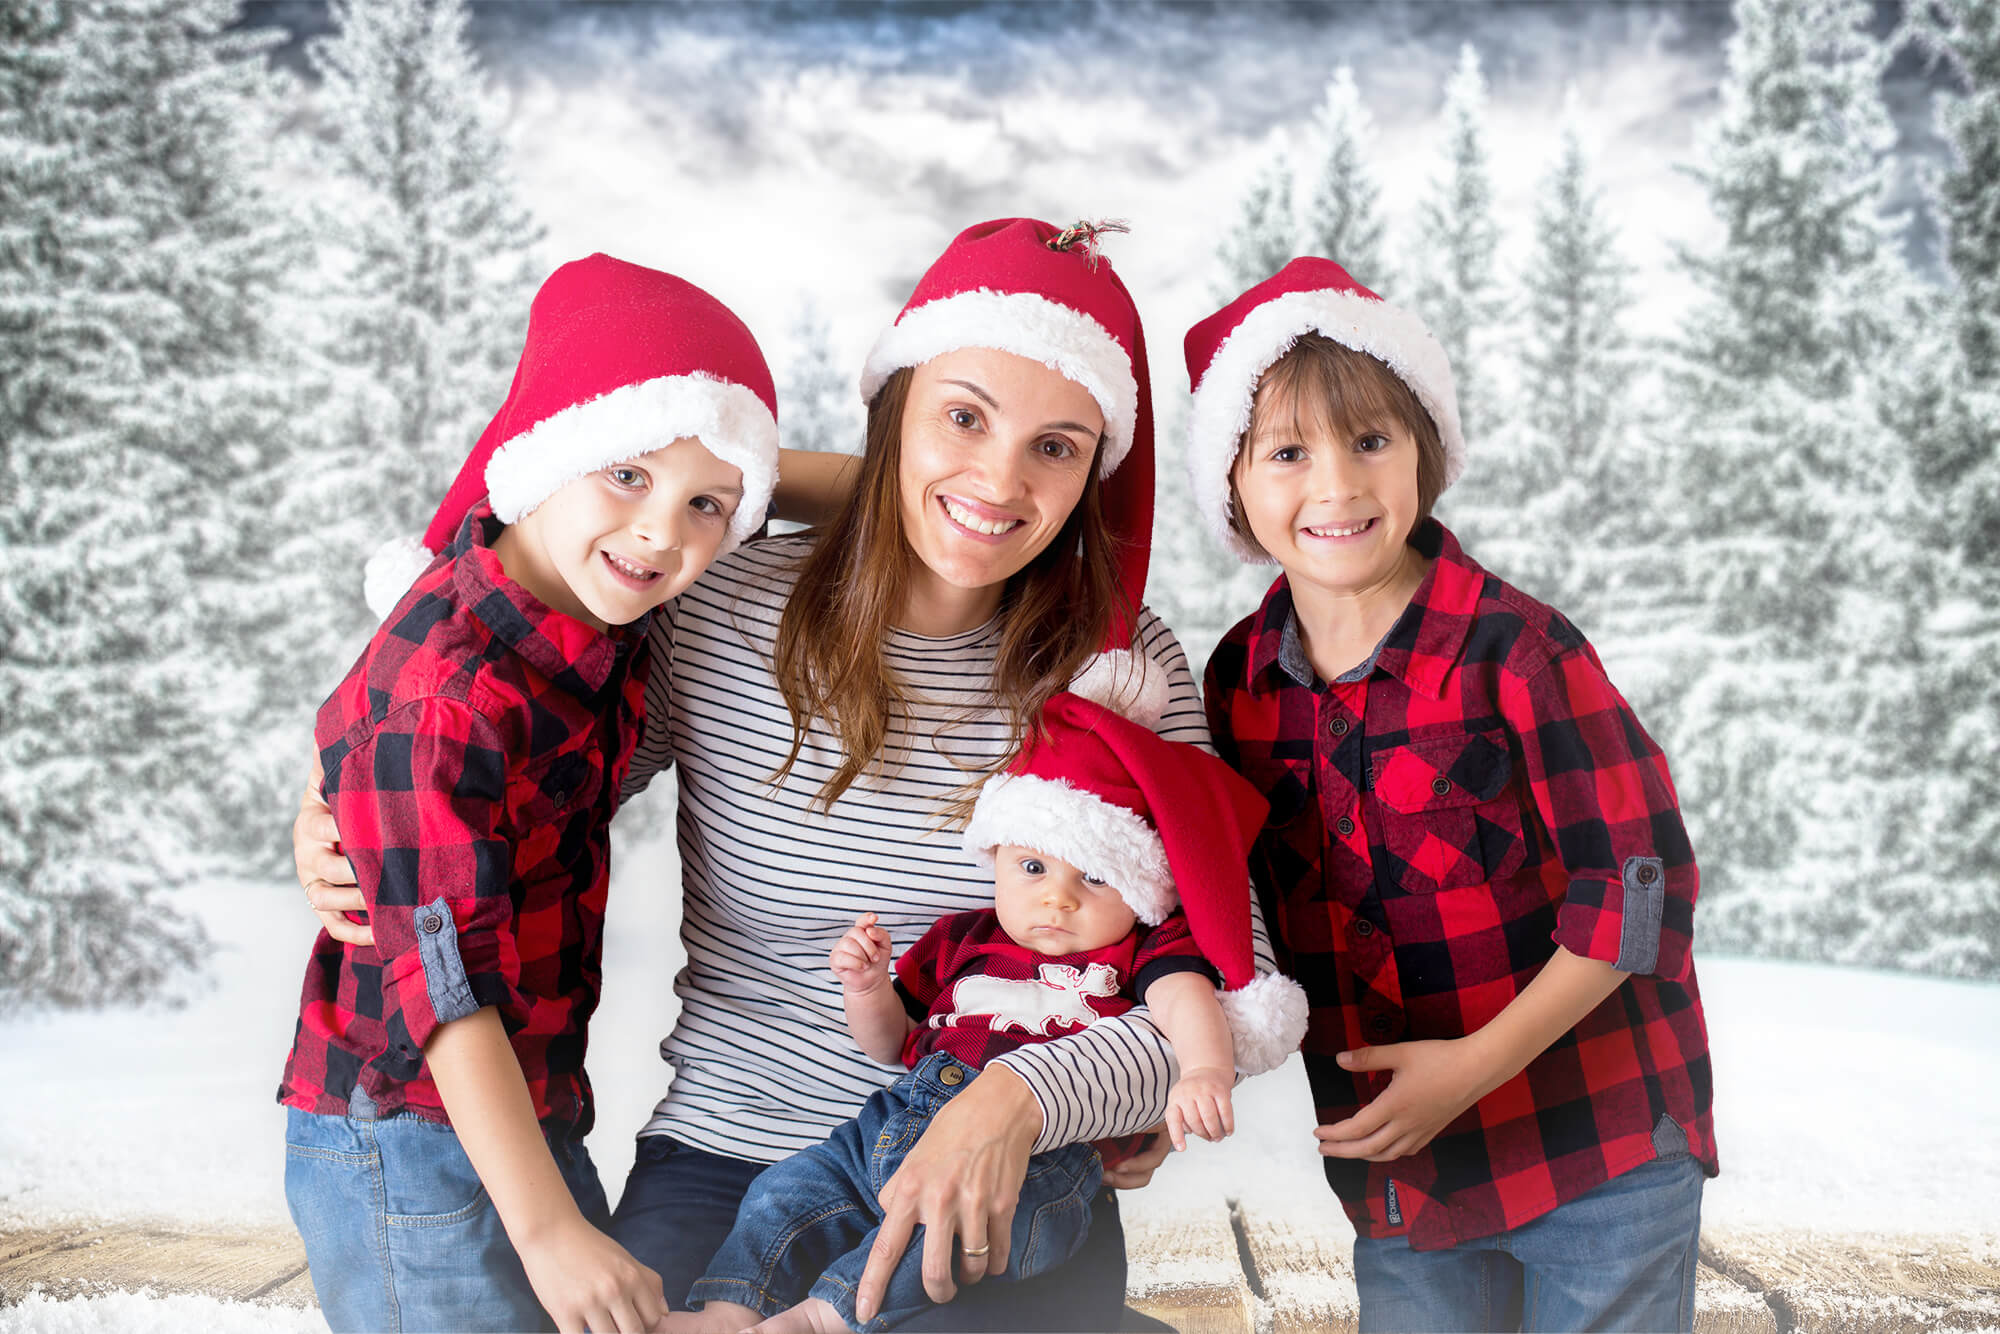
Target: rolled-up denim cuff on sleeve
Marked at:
1645, 900
444, 972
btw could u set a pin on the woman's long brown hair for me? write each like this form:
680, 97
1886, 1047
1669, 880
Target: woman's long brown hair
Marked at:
829, 661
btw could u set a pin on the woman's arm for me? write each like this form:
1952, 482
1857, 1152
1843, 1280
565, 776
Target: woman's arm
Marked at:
813, 484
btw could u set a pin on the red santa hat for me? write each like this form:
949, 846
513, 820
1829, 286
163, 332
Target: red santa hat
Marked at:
1165, 823
1045, 292
620, 360
1228, 353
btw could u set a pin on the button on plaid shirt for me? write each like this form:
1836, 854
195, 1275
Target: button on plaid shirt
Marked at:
1442, 817
473, 758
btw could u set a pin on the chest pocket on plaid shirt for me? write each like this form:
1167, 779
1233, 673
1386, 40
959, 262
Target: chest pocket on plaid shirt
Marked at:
1285, 857
1448, 817
544, 798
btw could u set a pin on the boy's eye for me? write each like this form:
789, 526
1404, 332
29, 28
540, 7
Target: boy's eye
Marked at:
1288, 454
1372, 444
707, 505
626, 476
1032, 865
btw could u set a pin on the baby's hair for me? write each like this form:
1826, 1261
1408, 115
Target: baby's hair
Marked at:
1330, 385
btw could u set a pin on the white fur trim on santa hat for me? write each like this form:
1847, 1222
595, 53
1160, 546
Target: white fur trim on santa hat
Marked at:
1267, 1021
1081, 828
1129, 684
1222, 404
1028, 325
637, 419
390, 572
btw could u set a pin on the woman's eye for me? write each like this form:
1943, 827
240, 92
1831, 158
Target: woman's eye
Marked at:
1056, 447
1032, 865
963, 418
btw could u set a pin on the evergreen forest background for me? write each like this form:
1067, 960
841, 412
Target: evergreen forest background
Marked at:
264, 272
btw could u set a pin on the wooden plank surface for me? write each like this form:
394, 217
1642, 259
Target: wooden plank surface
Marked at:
1183, 1268
1862, 1285
261, 1265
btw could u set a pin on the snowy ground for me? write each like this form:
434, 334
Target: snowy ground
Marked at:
1847, 1101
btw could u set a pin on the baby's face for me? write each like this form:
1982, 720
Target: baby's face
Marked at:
1051, 907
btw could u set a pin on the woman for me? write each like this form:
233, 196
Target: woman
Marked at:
832, 699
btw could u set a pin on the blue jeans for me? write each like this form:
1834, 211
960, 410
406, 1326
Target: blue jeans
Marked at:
399, 1232
807, 1224
1621, 1257
680, 1202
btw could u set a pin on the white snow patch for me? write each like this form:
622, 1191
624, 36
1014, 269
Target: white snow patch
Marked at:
119, 1312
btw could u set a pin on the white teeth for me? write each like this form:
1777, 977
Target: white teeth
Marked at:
626, 566
992, 528
1340, 532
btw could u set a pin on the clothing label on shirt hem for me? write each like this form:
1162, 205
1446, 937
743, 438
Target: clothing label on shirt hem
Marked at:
1391, 1206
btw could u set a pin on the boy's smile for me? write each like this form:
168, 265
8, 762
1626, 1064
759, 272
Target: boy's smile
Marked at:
612, 545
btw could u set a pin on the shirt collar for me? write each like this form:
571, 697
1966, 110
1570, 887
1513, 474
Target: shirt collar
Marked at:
574, 656
1419, 649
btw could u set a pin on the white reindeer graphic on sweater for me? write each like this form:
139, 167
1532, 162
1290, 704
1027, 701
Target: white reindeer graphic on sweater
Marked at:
1060, 997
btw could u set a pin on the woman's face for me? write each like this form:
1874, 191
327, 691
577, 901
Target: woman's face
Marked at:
995, 452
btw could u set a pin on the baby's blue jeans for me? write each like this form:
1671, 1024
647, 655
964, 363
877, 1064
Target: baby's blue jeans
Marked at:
807, 1224
399, 1232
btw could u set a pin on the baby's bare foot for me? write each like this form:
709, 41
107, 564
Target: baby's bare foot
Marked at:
811, 1316
712, 1318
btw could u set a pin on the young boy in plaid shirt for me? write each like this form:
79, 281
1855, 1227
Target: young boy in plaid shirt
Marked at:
1474, 859
437, 1101
1117, 857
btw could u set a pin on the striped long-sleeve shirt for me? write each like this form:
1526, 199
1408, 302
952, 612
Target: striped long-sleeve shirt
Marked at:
764, 1065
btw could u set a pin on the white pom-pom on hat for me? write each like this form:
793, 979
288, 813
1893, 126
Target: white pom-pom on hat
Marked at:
1129, 684
1267, 1021
391, 571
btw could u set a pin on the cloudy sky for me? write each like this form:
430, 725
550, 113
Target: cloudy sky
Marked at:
776, 153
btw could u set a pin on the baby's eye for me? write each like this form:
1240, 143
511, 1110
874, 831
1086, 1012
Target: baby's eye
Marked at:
1033, 865
1090, 879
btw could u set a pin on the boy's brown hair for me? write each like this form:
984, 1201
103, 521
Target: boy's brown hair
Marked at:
1330, 385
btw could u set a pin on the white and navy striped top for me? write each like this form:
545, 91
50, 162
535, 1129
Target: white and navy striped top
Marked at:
763, 1062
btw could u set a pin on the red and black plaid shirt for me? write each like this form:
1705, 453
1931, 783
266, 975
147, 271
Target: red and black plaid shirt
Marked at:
1442, 817
473, 758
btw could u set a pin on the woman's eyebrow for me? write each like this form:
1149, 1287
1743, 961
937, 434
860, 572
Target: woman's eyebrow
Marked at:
976, 392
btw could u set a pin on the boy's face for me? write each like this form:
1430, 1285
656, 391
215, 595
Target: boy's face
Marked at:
1050, 907
1333, 505
612, 545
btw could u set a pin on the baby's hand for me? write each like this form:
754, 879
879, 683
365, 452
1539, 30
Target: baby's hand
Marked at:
1199, 1103
860, 959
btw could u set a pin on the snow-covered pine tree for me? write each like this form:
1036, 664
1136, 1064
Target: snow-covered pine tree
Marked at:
1263, 235
1452, 257
428, 264
1795, 524
1340, 215
1947, 412
1560, 500
817, 401
136, 259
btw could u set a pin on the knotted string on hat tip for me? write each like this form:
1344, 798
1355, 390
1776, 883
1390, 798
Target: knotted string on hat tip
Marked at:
1082, 236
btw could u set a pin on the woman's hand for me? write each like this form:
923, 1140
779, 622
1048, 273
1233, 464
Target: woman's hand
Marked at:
960, 1182
327, 876
1137, 1170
